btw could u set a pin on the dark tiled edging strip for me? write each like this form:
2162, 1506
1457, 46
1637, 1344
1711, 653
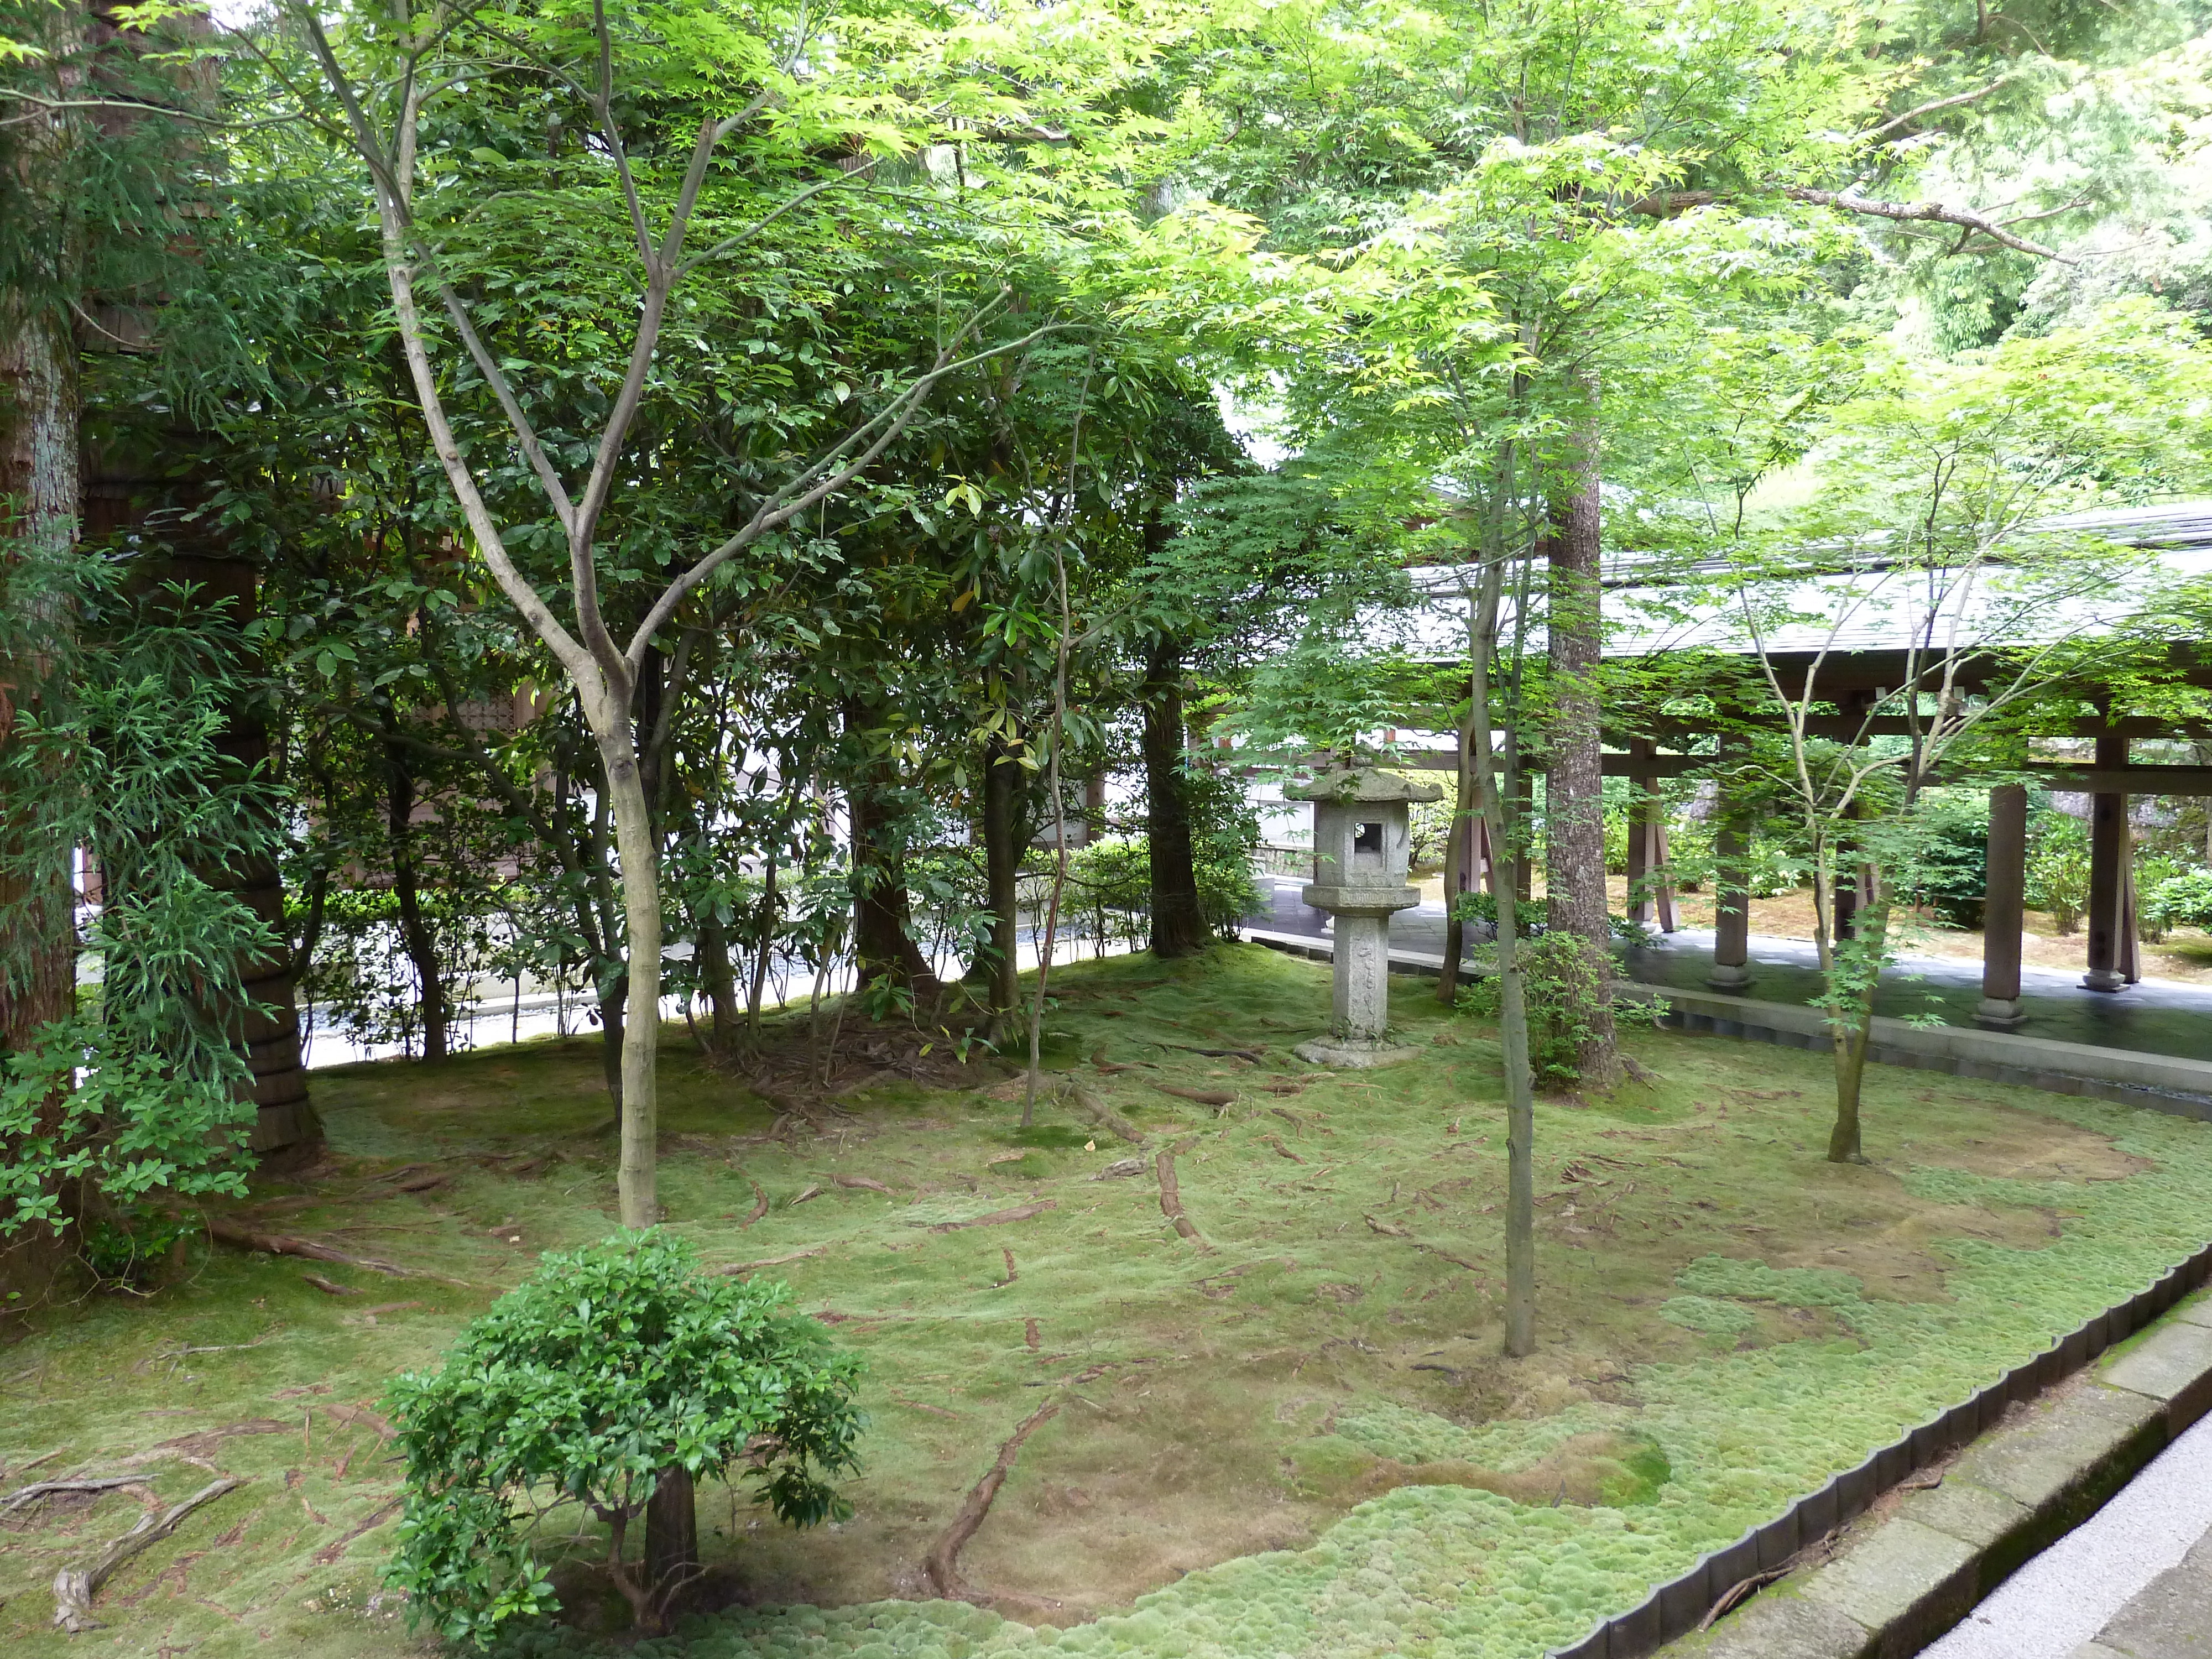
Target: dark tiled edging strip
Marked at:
1676, 1608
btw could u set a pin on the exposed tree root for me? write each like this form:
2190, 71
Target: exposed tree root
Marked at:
774, 1260
224, 1230
1251, 1054
1276, 1141
1104, 1115
815, 1191
862, 1183
941, 1565
1390, 1231
1011, 1275
1032, 1334
760, 1206
328, 1555
75, 1587
1216, 1098
1120, 1167
1171, 1198
998, 1217
23, 1497
1642, 1073
329, 1286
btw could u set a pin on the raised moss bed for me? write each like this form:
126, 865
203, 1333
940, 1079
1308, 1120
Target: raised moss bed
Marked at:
1298, 1440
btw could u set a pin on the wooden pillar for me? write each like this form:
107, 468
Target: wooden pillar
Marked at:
2002, 910
2111, 935
1647, 848
1731, 892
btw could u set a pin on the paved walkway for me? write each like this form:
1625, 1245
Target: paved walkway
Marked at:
2133, 1582
2156, 1017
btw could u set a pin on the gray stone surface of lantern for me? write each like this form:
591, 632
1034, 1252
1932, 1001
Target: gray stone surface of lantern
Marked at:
1361, 845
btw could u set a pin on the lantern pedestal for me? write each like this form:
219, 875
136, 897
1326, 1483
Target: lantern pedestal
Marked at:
1360, 848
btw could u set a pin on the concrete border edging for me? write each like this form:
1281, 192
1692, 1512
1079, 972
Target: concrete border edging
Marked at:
2164, 1082
2009, 1496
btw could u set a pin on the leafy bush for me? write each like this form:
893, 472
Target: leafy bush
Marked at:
1560, 982
1950, 866
120, 1126
2182, 900
614, 1368
2058, 868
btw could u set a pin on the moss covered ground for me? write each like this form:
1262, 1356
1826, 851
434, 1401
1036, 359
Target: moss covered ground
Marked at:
1294, 1436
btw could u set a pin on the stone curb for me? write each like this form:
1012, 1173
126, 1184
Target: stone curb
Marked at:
2164, 1082
1901, 1583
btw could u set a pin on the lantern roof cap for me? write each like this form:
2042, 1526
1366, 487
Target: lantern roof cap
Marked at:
1344, 785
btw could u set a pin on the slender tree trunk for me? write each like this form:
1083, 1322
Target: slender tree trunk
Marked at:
1856, 1036
1513, 1008
640, 1039
1574, 822
1178, 919
758, 988
414, 932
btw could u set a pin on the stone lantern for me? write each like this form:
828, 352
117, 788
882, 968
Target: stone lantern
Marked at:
1361, 844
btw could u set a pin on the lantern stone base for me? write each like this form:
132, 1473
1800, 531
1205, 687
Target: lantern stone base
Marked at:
1350, 1055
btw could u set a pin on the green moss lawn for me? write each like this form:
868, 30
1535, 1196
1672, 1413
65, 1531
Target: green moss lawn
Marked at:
1295, 1438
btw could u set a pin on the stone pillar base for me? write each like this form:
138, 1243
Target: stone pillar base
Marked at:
1729, 976
2105, 979
2000, 1014
1351, 1055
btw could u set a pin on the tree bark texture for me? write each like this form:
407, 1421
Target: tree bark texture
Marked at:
636, 846
39, 489
1178, 919
672, 1534
1574, 858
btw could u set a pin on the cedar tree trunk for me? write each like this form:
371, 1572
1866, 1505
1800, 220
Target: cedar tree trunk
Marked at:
1574, 860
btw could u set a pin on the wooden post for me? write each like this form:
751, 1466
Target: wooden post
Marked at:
1647, 849
2108, 883
2002, 909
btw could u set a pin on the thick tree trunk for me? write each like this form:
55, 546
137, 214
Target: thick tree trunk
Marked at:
672, 1534
1178, 919
718, 981
414, 932
1574, 860
38, 508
